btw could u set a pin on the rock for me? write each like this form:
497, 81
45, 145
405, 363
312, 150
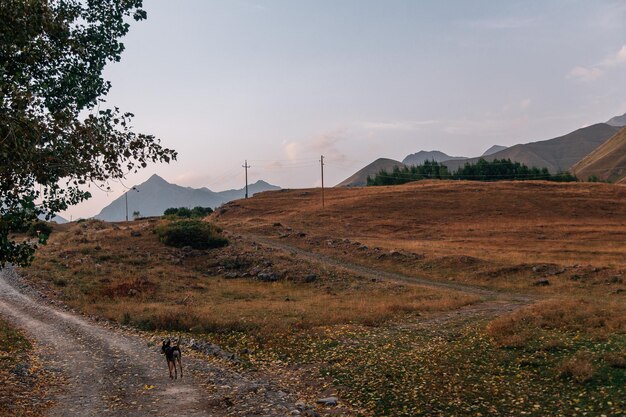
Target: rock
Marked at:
541, 283
267, 277
329, 401
21, 369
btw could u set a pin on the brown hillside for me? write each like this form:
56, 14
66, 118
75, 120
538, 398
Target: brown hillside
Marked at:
607, 162
511, 222
557, 154
359, 179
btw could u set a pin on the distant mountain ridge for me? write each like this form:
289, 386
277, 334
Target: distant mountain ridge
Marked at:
420, 157
359, 178
494, 149
558, 154
156, 195
617, 121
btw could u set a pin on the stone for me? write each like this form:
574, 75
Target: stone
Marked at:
267, 277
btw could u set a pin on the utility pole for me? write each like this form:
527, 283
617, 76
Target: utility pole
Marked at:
246, 166
322, 167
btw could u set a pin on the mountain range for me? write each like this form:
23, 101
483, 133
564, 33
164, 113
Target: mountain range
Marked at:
154, 196
557, 155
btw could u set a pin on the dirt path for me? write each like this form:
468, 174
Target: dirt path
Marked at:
110, 373
375, 273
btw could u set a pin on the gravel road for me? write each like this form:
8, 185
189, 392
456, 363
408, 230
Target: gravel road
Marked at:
110, 373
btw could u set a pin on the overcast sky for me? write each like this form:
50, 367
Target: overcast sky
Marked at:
281, 82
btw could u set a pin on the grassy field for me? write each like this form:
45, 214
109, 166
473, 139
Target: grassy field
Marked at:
385, 347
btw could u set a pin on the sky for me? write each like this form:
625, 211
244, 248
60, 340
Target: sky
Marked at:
280, 83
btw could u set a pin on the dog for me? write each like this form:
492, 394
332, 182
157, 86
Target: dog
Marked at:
172, 355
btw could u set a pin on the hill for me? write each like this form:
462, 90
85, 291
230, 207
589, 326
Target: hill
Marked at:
558, 154
503, 221
494, 149
155, 195
618, 121
420, 157
359, 178
607, 162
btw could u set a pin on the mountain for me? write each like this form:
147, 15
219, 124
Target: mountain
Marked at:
423, 156
618, 121
607, 162
494, 149
154, 196
557, 154
359, 179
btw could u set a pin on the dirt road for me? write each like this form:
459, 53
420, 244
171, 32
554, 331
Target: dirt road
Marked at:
110, 373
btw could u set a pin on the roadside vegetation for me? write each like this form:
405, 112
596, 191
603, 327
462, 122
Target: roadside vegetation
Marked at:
24, 383
483, 170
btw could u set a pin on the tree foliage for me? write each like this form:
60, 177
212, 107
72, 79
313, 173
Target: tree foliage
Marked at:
55, 135
482, 170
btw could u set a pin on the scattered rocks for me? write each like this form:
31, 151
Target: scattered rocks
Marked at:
328, 401
267, 277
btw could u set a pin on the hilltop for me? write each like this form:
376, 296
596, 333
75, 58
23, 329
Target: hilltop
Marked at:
359, 178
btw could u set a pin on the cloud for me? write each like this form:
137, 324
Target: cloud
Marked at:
291, 150
326, 144
595, 72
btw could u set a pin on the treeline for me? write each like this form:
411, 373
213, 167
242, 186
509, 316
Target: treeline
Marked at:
187, 213
483, 170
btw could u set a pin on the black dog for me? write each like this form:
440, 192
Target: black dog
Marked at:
172, 355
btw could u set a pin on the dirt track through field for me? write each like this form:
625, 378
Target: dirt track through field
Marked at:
110, 373
376, 273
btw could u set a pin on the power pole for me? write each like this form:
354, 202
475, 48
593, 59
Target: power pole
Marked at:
246, 166
322, 167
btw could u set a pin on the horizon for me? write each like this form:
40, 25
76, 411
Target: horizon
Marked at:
281, 83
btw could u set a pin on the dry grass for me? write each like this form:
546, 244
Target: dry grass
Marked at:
509, 227
594, 318
102, 270
579, 367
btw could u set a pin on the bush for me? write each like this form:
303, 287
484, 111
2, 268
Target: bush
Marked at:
39, 228
194, 233
196, 212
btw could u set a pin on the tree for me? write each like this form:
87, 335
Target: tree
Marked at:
54, 137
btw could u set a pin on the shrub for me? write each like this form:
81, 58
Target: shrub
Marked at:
194, 233
579, 367
39, 228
